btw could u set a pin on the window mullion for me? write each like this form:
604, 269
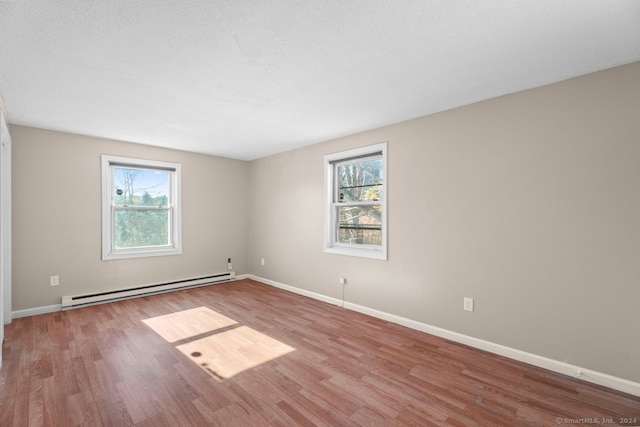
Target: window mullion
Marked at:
364, 203
142, 208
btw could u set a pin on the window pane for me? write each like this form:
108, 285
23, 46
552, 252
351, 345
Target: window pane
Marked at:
361, 225
134, 228
360, 181
140, 187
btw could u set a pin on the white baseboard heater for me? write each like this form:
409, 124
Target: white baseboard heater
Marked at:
76, 301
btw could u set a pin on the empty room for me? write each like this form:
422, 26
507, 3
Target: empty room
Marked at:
327, 213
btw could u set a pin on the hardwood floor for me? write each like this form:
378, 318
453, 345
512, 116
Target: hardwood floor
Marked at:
246, 354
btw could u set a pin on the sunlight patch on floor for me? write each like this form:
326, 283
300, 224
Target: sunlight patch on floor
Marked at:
188, 323
219, 345
231, 352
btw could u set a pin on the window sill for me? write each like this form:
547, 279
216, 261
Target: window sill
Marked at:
125, 254
378, 254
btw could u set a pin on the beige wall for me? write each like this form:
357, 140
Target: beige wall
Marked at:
57, 217
529, 203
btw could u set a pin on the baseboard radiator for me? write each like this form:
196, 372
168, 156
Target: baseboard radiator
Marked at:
76, 301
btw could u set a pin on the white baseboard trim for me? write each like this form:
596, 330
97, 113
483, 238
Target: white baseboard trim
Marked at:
295, 290
35, 311
589, 375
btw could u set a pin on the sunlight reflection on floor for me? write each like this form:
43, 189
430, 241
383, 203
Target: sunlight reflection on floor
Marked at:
219, 345
229, 353
188, 323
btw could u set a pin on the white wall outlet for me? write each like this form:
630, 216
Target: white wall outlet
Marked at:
468, 304
262, 262
229, 265
54, 280
343, 280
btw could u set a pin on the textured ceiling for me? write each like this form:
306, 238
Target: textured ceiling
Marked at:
245, 79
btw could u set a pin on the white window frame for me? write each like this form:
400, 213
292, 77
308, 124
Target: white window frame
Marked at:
109, 251
331, 245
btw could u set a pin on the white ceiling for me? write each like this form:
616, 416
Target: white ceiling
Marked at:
245, 79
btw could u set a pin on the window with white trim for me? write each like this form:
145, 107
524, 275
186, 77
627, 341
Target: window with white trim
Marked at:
355, 202
140, 208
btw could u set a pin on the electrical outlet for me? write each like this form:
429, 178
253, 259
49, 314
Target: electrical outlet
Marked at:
54, 280
468, 304
229, 265
343, 281
262, 262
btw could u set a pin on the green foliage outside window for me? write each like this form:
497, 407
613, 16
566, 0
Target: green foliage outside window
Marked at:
134, 228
